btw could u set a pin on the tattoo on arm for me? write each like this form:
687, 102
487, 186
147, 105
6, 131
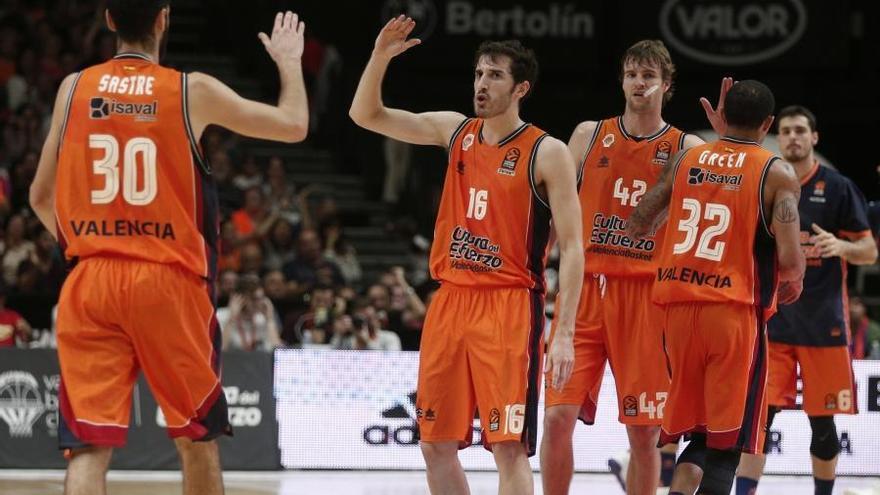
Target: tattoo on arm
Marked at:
657, 199
786, 211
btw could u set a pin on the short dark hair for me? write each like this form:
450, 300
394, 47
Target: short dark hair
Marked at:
748, 104
654, 52
796, 110
523, 63
134, 18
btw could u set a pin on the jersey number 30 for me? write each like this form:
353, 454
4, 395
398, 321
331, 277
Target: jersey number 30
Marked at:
138, 151
706, 249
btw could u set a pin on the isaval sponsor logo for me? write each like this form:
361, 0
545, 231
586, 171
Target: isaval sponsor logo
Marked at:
698, 176
101, 108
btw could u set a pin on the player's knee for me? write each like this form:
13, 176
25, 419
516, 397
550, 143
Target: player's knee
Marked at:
643, 439
91, 458
189, 449
438, 452
560, 420
508, 452
719, 471
695, 452
824, 445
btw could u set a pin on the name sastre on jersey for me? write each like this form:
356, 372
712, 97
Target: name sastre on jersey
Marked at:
472, 252
102, 108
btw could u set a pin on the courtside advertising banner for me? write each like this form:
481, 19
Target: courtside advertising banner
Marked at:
29, 384
356, 410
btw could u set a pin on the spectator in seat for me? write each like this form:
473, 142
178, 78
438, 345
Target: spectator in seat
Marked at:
229, 196
253, 220
47, 259
279, 245
16, 248
865, 341
280, 192
288, 308
13, 328
310, 268
230, 248
338, 250
228, 281
252, 259
249, 322
315, 327
250, 175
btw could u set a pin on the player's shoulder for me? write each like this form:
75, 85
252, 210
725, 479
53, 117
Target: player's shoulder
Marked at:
689, 140
550, 145
587, 128
199, 81
832, 176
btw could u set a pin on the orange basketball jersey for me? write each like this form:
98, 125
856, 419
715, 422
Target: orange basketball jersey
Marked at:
616, 172
718, 246
131, 181
492, 227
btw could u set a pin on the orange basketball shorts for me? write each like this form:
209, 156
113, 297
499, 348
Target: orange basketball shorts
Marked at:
118, 316
481, 350
618, 322
827, 375
718, 358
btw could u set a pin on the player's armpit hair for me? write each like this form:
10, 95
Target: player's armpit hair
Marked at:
785, 211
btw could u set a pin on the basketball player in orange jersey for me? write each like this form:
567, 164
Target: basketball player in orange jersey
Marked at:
812, 335
123, 185
620, 159
732, 237
482, 341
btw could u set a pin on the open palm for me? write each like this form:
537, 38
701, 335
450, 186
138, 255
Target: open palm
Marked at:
392, 41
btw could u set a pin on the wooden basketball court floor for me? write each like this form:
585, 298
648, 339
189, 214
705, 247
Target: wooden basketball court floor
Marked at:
40, 482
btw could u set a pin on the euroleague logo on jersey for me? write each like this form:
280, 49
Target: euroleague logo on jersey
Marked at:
508, 165
662, 153
102, 108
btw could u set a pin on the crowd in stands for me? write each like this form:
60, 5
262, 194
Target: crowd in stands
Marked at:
288, 276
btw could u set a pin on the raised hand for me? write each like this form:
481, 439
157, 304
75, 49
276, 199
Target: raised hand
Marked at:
392, 41
286, 42
716, 115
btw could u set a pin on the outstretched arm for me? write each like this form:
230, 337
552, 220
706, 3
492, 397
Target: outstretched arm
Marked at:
368, 110
555, 170
654, 202
212, 102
